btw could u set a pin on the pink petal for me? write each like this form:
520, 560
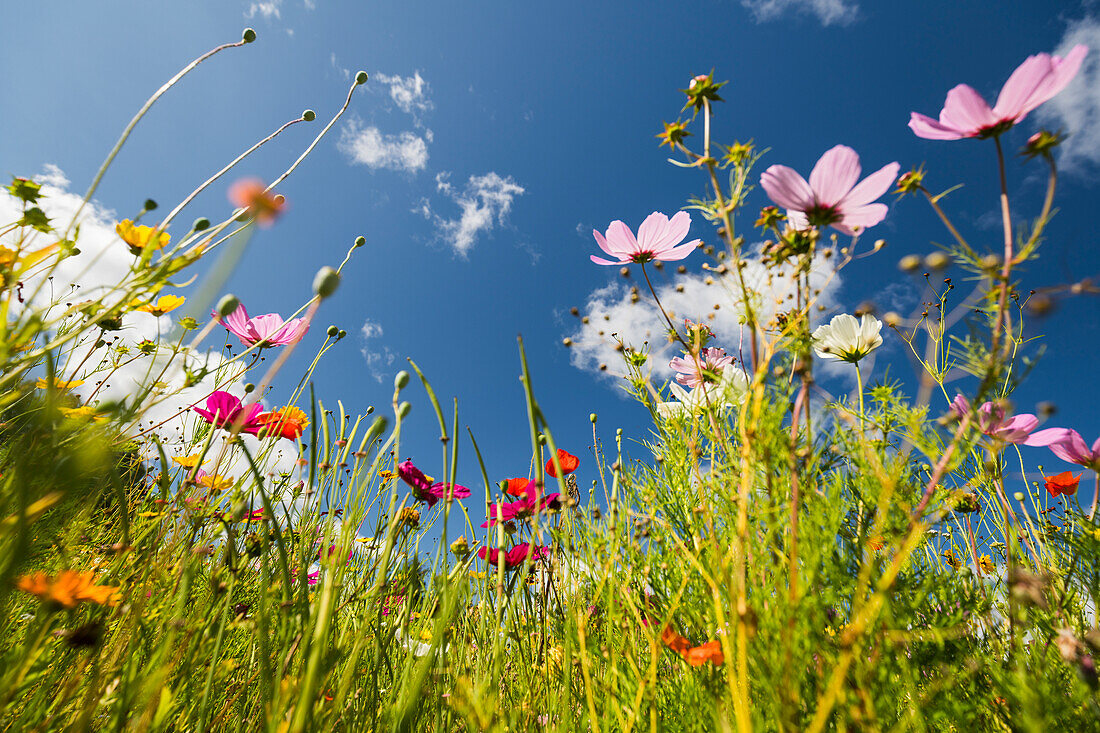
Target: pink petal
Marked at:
653, 233
786, 188
870, 188
930, 129
1064, 443
679, 225
620, 239
265, 326
857, 220
1028, 78
966, 111
834, 175
602, 261
678, 253
603, 243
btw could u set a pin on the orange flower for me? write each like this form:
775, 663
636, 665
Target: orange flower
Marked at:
517, 486
68, 588
696, 656
260, 204
286, 422
568, 461
1064, 484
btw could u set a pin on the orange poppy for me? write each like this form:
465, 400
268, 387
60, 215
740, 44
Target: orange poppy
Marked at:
568, 461
1064, 484
696, 656
286, 422
517, 486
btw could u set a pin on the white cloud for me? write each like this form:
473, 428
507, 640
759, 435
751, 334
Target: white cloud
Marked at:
485, 202
378, 362
1077, 109
829, 12
346, 73
611, 310
104, 262
267, 8
370, 147
409, 93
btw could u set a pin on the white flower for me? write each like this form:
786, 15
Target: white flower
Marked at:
846, 339
418, 648
722, 394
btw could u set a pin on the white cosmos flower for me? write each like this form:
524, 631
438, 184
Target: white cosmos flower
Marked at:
846, 339
721, 394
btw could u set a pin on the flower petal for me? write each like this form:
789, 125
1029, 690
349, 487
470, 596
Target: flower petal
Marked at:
930, 129
834, 175
870, 188
857, 220
620, 240
786, 188
653, 233
602, 261
966, 111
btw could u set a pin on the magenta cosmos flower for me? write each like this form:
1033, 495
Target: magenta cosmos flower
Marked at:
992, 421
658, 239
266, 330
515, 557
1069, 446
831, 197
966, 114
426, 491
712, 361
223, 410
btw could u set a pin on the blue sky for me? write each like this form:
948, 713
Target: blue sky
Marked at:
494, 136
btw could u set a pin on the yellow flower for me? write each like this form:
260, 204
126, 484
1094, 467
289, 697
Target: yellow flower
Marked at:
58, 384
11, 259
953, 561
68, 588
215, 482
164, 304
82, 412
187, 461
386, 475
986, 564
139, 237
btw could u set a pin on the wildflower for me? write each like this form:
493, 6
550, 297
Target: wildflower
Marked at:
702, 89
966, 114
953, 561
260, 204
831, 197
13, 260
213, 481
223, 410
986, 565
993, 422
846, 339
285, 422
81, 413
164, 304
1068, 445
732, 385
58, 384
1042, 143
1064, 484
266, 330
658, 239
68, 589
697, 656
409, 517
515, 557
520, 486
187, 461
673, 135
566, 460
707, 367
423, 488
529, 506
460, 548
138, 237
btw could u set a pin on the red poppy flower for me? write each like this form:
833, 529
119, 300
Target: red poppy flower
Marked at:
517, 486
696, 656
568, 461
1064, 484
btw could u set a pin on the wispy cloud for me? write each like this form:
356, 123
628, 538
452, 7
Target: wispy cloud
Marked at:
1077, 109
829, 12
378, 361
267, 8
613, 312
368, 146
484, 202
409, 93
345, 72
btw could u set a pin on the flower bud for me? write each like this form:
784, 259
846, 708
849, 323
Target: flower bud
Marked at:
937, 261
401, 380
460, 548
248, 36
909, 263
592, 418
1018, 496
360, 241
309, 115
227, 305
189, 323
201, 224
249, 388
403, 410
341, 334
332, 331
326, 281
361, 77
149, 205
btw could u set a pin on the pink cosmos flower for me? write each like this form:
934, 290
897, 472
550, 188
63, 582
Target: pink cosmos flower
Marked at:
514, 557
424, 490
1069, 446
966, 114
831, 197
658, 239
992, 421
712, 360
266, 330
528, 506
223, 409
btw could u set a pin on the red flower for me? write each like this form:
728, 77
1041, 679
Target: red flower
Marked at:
1064, 484
568, 461
518, 486
696, 656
